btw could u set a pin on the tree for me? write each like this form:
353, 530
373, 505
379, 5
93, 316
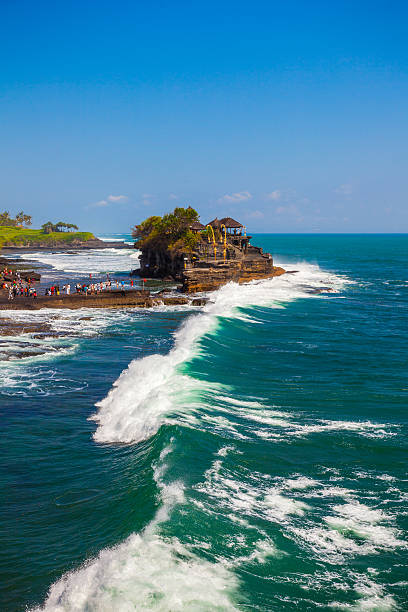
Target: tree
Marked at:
23, 219
172, 231
61, 226
20, 219
47, 228
6, 220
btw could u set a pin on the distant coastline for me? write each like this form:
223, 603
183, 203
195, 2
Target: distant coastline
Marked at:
15, 240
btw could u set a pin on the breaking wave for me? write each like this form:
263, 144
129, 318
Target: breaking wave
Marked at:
148, 390
325, 518
147, 571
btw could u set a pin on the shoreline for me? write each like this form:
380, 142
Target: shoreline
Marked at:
83, 246
132, 298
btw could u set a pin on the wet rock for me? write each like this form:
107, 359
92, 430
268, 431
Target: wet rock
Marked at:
204, 279
175, 301
199, 301
16, 328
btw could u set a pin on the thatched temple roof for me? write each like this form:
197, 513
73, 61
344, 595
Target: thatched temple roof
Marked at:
215, 223
196, 226
231, 223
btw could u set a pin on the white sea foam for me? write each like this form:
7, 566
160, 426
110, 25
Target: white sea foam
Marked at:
300, 504
351, 530
146, 572
250, 497
359, 519
301, 482
25, 357
372, 597
148, 389
92, 261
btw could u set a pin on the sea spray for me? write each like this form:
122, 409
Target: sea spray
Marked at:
146, 572
147, 390
92, 261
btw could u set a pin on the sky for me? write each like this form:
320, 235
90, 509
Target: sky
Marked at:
290, 116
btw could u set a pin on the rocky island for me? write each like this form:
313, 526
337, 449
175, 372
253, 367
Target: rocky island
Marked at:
199, 257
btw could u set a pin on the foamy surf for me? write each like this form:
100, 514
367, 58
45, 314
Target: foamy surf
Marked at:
92, 261
147, 390
146, 572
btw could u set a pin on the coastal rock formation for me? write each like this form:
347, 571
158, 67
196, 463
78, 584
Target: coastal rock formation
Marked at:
105, 299
160, 263
9, 268
92, 243
212, 276
203, 258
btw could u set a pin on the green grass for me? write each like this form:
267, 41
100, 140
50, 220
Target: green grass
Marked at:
13, 236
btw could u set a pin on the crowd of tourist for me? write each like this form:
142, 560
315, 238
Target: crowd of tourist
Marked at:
19, 288
87, 289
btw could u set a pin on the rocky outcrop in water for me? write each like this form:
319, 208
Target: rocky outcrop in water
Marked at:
213, 276
201, 271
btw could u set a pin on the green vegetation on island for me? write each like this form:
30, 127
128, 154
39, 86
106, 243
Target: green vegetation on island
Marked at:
13, 232
50, 227
172, 232
12, 236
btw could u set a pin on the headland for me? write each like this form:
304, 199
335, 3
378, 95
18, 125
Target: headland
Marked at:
200, 257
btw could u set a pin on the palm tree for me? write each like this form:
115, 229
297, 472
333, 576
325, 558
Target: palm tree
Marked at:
47, 228
27, 220
6, 220
20, 219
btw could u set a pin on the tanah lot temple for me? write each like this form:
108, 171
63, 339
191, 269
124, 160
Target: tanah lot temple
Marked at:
223, 253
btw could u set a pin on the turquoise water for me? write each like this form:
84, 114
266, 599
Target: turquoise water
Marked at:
247, 456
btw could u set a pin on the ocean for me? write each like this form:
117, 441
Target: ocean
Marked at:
250, 455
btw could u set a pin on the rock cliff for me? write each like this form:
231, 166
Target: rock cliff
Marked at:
213, 276
201, 271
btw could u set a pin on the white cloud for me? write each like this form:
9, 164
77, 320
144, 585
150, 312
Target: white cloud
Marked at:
256, 214
346, 189
288, 210
107, 201
239, 196
274, 195
118, 198
172, 196
147, 198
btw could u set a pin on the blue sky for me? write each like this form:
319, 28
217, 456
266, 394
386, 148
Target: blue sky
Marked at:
289, 116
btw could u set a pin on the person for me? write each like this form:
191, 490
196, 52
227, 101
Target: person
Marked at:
68, 289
